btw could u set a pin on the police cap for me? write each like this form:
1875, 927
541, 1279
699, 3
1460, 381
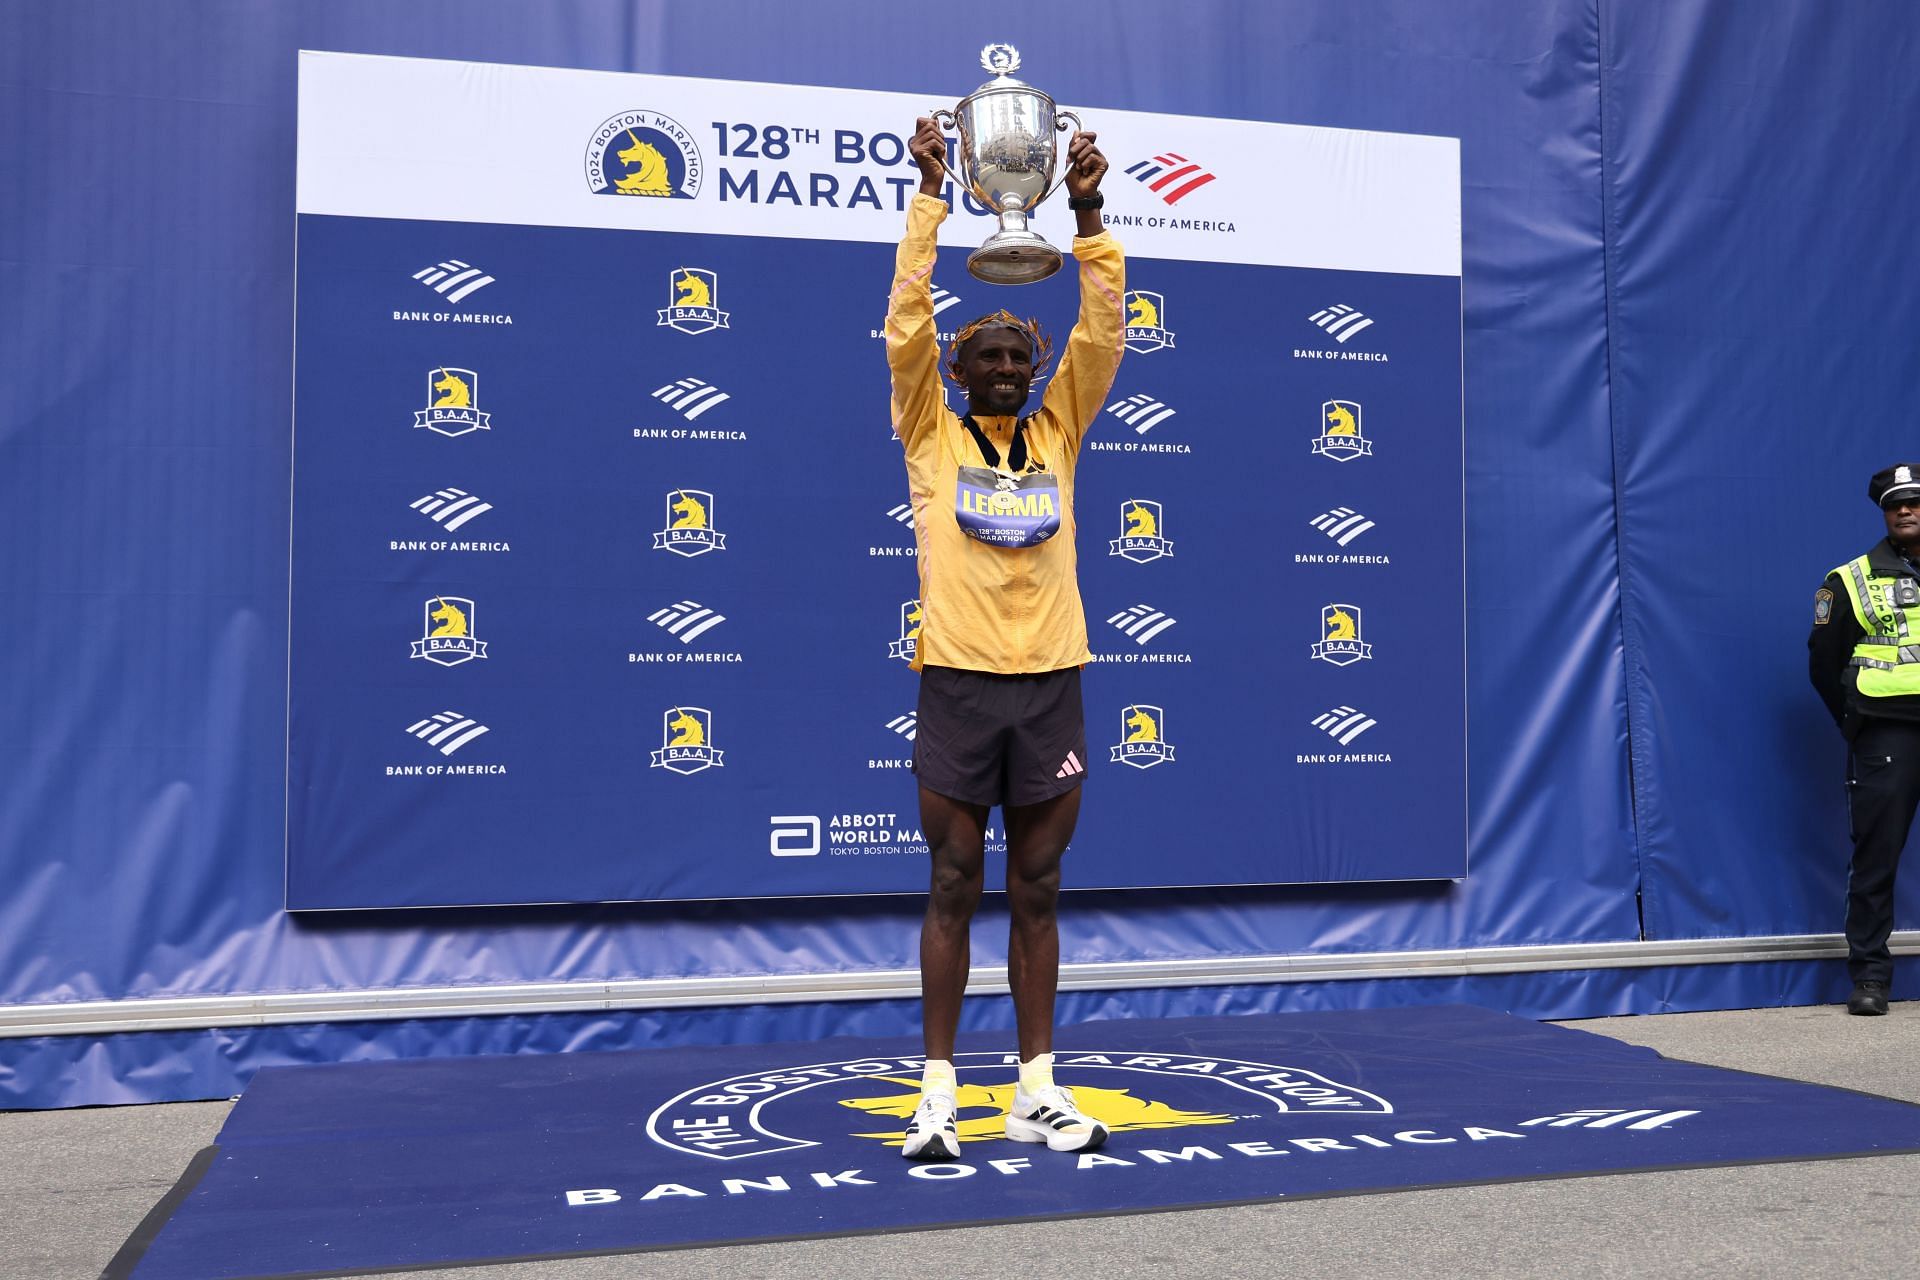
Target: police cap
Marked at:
1899, 482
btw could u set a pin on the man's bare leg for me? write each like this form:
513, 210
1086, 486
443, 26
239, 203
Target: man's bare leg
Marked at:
957, 834
1037, 834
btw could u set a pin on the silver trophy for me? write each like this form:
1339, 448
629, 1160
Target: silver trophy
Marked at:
1008, 149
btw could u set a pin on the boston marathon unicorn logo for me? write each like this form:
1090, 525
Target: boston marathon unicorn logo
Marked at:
1142, 737
1146, 330
1340, 437
691, 308
643, 153
448, 635
1140, 537
800, 1105
689, 530
911, 615
452, 403
1340, 641
1118, 1109
687, 738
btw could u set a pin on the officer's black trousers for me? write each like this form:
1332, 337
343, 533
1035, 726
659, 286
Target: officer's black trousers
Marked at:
1883, 788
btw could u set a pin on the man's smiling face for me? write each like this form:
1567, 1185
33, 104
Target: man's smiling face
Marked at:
996, 368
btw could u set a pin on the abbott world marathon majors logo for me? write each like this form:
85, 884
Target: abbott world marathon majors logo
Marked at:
645, 154
869, 1100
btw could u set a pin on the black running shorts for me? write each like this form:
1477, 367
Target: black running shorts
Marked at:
993, 739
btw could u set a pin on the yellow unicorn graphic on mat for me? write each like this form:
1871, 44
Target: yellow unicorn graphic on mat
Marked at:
1141, 728
649, 178
1342, 421
1140, 523
1141, 313
693, 291
1118, 1109
453, 391
1340, 626
913, 623
688, 513
452, 621
687, 730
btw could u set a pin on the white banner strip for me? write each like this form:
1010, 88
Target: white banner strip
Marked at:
419, 139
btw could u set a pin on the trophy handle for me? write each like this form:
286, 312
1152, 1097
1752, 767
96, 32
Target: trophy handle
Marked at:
1060, 119
947, 120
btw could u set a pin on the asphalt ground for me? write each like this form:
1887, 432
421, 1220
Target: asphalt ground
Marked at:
75, 1184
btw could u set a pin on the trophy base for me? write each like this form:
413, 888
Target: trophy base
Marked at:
1013, 257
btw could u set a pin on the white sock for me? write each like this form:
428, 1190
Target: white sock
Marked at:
938, 1077
1036, 1073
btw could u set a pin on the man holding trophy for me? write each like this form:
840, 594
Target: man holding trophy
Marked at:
1003, 635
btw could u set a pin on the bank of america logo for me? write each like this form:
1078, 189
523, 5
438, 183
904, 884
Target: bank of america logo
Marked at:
450, 508
449, 731
686, 620
1142, 412
1342, 524
1344, 724
453, 279
1172, 177
690, 397
1341, 321
1143, 622
906, 726
1606, 1118
943, 299
902, 514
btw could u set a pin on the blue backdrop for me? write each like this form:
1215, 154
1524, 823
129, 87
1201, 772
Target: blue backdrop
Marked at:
1687, 317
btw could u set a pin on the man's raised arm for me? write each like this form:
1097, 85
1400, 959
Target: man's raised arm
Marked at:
1092, 357
913, 341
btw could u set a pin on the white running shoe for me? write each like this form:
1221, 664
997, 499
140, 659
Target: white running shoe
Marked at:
1048, 1115
933, 1133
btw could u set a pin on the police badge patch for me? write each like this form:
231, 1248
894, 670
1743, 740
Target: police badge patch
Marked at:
1822, 607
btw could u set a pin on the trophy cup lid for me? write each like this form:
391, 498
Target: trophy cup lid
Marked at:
1003, 60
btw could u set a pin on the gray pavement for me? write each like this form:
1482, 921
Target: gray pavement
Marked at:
74, 1184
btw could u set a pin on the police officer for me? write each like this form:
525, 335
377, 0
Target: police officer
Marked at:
1864, 658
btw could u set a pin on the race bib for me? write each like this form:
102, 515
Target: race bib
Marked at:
1007, 511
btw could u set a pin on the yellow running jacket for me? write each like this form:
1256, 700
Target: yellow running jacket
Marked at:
987, 608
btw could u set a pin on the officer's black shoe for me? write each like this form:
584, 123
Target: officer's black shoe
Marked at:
1868, 998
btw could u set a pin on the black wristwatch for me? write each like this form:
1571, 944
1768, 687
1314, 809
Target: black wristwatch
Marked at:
1094, 201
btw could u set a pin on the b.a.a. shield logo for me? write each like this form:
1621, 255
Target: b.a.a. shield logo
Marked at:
690, 528
687, 741
867, 1101
1142, 532
1340, 435
1340, 641
910, 618
1146, 322
643, 153
693, 297
1143, 738
450, 634
453, 403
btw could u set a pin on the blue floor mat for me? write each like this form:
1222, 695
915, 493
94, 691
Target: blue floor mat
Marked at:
325, 1170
